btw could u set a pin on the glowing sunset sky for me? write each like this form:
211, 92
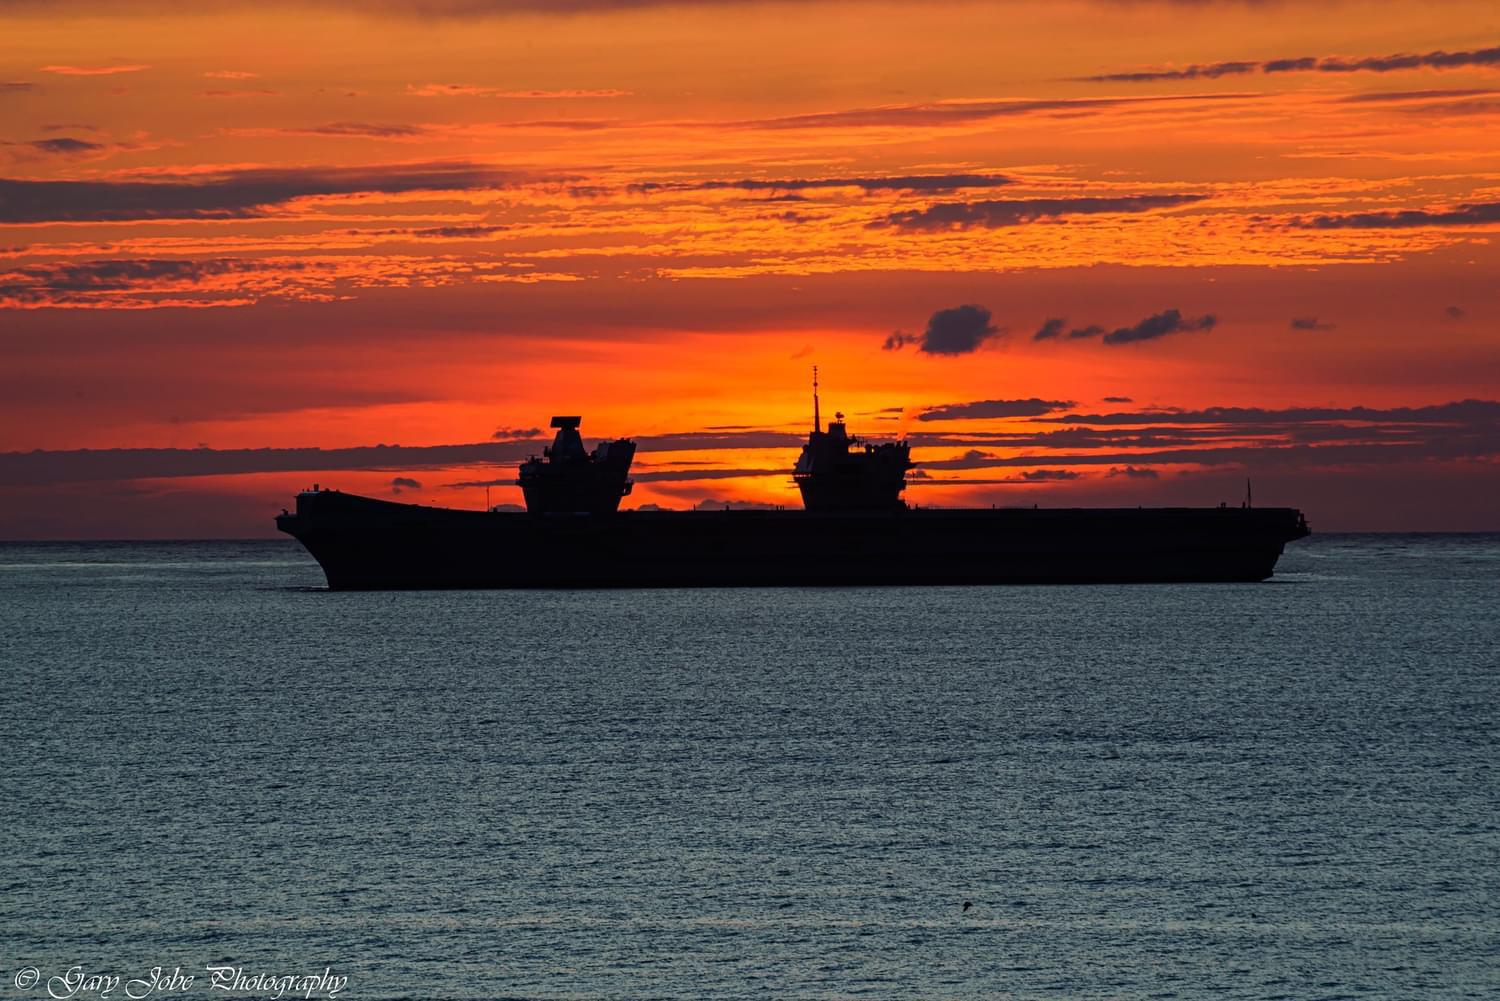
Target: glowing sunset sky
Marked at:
1086, 252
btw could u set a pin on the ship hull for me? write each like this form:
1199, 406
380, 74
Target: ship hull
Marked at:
365, 544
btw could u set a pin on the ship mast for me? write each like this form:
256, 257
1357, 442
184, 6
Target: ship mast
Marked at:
817, 423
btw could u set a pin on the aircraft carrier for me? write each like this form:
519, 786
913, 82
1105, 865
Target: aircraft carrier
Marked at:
854, 529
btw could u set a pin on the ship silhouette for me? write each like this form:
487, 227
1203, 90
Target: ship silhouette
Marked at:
854, 529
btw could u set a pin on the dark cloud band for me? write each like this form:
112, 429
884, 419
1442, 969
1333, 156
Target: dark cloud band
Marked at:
915, 182
1169, 321
997, 213
236, 195
1033, 407
1438, 59
1473, 214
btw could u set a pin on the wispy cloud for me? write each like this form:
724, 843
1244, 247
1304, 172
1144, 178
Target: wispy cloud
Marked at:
63, 146
1215, 436
1056, 328
1486, 412
233, 194
245, 92
347, 130
976, 409
909, 182
1438, 59
1169, 321
1472, 214
472, 90
109, 282
1309, 323
95, 70
994, 214
960, 112
1407, 96
142, 463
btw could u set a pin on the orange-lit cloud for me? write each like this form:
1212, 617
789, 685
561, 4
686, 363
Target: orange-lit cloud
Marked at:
95, 70
470, 90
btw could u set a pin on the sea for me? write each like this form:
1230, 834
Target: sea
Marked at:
212, 769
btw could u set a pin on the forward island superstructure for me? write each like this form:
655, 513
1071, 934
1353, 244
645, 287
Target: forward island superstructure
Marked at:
854, 529
566, 478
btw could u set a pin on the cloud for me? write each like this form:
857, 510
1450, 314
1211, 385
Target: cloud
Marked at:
1043, 475
649, 476
964, 112
404, 482
1438, 59
910, 182
84, 465
336, 129
231, 75
415, 9
64, 146
1404, 96
230, 195
1291, 438
679, 475
1309, 323
95, 70
150, 283
475, 232
1118, 399
1455, 312
94, 275
16, 87
994, 408
956, 331
470, 90
730, 504
1471, 214
1459, 412
1159, 325
1205, 71
1053, 330
512, 433
1014, 212
1049, 329
447, 90
360, 130
102, 282
257, 92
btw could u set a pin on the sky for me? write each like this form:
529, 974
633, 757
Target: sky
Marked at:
1079, 252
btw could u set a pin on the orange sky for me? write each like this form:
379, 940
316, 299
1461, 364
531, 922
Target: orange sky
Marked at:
331, 225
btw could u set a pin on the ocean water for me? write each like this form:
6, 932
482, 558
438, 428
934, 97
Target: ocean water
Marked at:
1284, 790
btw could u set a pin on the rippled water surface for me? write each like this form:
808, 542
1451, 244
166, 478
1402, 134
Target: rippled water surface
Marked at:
1277, 790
